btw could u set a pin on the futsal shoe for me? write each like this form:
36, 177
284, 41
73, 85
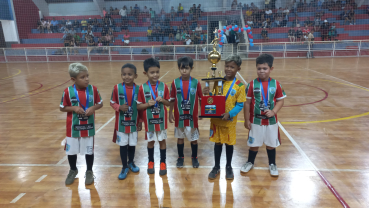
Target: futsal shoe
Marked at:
71, 176
150, 168
180, 161
214, 173
89, 177
163, 169
229, 173
123, 174
195, 162
132, 166
273, 170
247, 167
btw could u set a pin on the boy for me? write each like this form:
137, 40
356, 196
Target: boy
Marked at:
80, 101
264, 99
223, 130
185, 93
123, 101
153, 98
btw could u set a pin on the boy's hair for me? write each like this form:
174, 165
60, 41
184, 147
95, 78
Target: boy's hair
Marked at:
265, 58
185, 61
131, 66
235, 58
75, 69
151, 62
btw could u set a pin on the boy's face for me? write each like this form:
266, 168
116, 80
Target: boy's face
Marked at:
231, 69
263, 71
128, 75
185, 71
153, 74
82, 80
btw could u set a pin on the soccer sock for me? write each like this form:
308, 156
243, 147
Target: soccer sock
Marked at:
123, 156
163, 155
271, 156
151, 154
72, 159
131, 153
229, 153
194, 150
180, 148
252, 156
217, 154
89, 161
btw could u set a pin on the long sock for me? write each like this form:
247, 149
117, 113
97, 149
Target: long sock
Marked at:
123, 156
252, 156
194, 150
89, 161
131, 153
163, 155
180, 148
271, 156
217, 154
72, 159
150, 151
229, 153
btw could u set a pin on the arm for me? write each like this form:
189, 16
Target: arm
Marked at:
278, 106
246, 114
144, 106
76, 109
165, 102
237, 108
92, 109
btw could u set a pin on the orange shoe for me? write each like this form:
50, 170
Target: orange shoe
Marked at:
151, 169
163, 169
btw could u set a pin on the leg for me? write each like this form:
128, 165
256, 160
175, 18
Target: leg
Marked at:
89, 174
217, 153
123, 156
271, 154
150, 151
163, 155
229, 153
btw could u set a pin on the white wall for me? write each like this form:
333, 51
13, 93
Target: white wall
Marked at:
10, 31
71, 9
119, 4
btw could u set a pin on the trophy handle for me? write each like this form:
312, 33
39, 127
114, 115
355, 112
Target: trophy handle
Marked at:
207, 85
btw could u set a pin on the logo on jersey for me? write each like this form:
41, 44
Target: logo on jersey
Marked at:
135, 98
233, 92
272, 90
251, 140
179, 91
151, 134
121, 96
90, 98
147, 94
211, 133
73, 100
118, 138
193, 91
161, 93
256, 90
67, 147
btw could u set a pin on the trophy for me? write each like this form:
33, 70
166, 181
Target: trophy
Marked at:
213, 106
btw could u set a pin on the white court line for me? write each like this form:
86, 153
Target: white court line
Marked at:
41, 178
18, 197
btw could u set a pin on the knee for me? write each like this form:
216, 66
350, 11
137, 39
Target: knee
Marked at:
218, 143
270, 148
194, 142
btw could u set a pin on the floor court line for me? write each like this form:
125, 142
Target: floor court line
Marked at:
18, 197
40, 179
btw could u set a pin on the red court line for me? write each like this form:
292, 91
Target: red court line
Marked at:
41, 85
326, 96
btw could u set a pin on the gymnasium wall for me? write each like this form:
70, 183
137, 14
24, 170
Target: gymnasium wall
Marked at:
72, 9
6, 12
26, 13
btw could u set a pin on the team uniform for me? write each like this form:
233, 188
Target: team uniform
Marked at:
263, 129
80, 128
125, 132
186, 99
155, 117
225, 131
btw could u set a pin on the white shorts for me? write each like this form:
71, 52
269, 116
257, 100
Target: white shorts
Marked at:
82, 145
192, 134
156, 135
124, 139
269, 135
126, 41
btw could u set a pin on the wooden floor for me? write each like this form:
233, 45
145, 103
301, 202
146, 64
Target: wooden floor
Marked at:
325, 127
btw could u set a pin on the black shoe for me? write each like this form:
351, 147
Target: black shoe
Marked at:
229, 173
195, 162
214, 173
180, 161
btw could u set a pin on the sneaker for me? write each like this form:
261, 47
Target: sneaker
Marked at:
214, 173
163, 169
180, 161
89, 177
123, 174
150, 168
132, 166
195, 162
229, 173
71, 176
247, 167
273, 170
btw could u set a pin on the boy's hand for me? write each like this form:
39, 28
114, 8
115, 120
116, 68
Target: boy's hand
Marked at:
171, 117
269, 113
90, 111
206, 90
139, 126
123, 107
248, 125
225, 116
159, 99
79, 110
151, 102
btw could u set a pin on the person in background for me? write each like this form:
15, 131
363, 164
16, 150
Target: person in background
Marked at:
123, 13
203, 38
171, 33
48, 26
145, 10
54, 25
76, 24
317, 22
149, 34
292, 34
264, 34
104, 12
172, 14
180, 9
126, 38
188, 42
332, 32
84, 32
178, 35
40, 26
299, 34
250, 22
83, 23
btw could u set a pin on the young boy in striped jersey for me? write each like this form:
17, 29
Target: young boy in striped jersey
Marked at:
265, 97
185, 93
153, 98
80, 101
123, 101
223, 130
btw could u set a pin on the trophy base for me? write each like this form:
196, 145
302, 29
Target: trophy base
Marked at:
214, 79
212, 106
211, 116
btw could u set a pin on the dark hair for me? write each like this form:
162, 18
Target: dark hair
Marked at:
151, 62
131, 66
185, 61
265, 59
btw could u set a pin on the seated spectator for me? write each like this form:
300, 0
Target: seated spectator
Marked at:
83, 23
178, 35
48, 26
131, 10
296, 23
245, 7
171, 33
136, 8
292, 34
180, 9
264, 34
248, 13
76, 24
332, 32
257, 24
62, 22
253, 6
149, 34
269, 14
317, 22
84, 32
183, 34
285, 20
234, 5
111, 11
311, 36
197, 37
104, 12
162, 14
367, 9
280, 11
126, 38
172, 14
239, 6
198, 28
160, 33
300, 6
40, 26
203, 38
308, 22
90, 22
145, 10
123, 13
66, 32
250, 22
198, 11
89, 35
152, 15
54, 25
351, 17
110, 35
67, 40
278, 21
91, 42
192, 10
286, 11
72, 31
187, 42
77, 39
299, 34
116, 11
305, 32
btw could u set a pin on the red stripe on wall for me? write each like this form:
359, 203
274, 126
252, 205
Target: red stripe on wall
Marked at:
26, 13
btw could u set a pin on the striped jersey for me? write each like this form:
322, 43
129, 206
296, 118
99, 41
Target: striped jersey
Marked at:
253, 92
186, 114
125, 122
155, 118
79, 125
